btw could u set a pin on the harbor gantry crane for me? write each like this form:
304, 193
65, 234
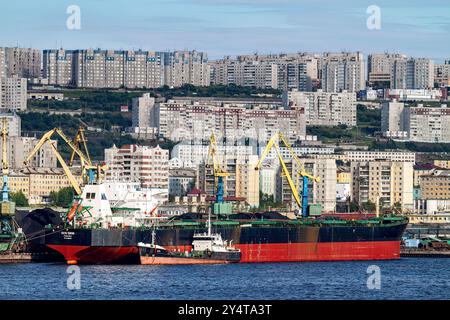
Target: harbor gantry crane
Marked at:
219, 171
89, 171
80, 141
274, 143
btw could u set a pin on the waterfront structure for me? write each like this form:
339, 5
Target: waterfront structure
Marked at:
134, 163
343, 71
386, 183
21, 62
13, 93
191, 120
129, 69
324, 108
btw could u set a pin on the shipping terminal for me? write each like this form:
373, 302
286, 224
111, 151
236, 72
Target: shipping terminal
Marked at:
100, 229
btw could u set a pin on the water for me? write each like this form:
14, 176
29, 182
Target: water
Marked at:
408, 278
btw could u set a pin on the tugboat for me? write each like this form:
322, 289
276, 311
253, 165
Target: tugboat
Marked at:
207, 248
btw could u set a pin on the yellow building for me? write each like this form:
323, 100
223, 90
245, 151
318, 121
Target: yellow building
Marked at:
38, 183
435, 186
428, 218
388, 182
343, 176
444, 164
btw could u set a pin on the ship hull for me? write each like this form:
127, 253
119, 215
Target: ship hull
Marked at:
257, 244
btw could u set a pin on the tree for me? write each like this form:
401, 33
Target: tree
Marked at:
354, 206
62, 198
19, 198
369, 206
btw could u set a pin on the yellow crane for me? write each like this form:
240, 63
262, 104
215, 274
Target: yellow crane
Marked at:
80, 141
274, 143
219, 171
87, 168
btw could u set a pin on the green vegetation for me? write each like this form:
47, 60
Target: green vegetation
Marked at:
267, 202
368, 120
19, 198
411, 146
62, 198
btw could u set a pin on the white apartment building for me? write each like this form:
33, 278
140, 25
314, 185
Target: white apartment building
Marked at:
20, 147
393, 156
427, 124
380, 67
2, 63
343, 71
181, 181
191, 154
14, 124
144, 116
392, 119
13, 93
129, 69
324, 108
189, 120
22, 62
412, 73
442, 73
268, 174
149, 166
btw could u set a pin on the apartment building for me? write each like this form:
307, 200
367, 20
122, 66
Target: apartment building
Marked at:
129, 69
134, 163
181, 181
435, 185
389, 155
380, 67
190, 120
144, 116
13, 93
2, 63
242, 182
278, 71
22, 62
194, 154
412, 73
343, 71
384, 182
442, 74
38, 183
323, 193
393, 122
324, 108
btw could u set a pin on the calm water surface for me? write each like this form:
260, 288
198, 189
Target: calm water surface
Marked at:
408, 278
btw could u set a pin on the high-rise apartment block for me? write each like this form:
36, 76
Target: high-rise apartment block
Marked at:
343, 71
384, 182
22, 62
442, 73
282, 71
324, 108
192, 120
149, 166
145, 119
128, 69
13, 93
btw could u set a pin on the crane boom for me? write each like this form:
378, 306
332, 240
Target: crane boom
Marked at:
66, 169
79, 139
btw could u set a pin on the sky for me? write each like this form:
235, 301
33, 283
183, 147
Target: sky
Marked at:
419, 28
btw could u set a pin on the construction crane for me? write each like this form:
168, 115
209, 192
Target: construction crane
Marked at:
219, 171
274, 143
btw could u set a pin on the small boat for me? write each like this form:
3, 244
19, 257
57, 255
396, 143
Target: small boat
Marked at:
207, 248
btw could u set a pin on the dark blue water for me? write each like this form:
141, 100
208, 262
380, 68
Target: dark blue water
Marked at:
408, 278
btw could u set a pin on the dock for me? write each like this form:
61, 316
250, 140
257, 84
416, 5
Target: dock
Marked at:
15, 258
422, 253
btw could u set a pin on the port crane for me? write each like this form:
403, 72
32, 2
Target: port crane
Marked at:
274, 143
5, 164
219, 171
80, 141
89, 171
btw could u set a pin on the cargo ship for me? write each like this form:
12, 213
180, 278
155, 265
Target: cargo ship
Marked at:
98, 237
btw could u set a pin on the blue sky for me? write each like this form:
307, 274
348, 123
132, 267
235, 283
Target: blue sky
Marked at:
231, 27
